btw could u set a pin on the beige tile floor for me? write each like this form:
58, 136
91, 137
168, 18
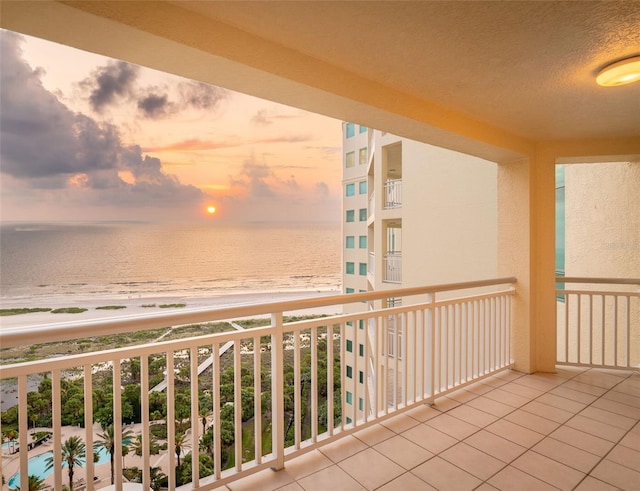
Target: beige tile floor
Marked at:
575, 429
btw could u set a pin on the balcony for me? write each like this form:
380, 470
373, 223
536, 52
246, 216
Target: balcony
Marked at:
575, 429
392, 267
283, 396
392, 194
448, 413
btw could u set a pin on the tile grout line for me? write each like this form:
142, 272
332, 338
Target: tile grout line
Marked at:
615, 444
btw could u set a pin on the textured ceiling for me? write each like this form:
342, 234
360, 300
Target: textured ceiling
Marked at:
526, 67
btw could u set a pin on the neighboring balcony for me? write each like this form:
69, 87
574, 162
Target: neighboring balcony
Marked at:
446, 413
392, 194
392, 267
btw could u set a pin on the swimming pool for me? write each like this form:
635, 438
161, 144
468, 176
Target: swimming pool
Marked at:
9, 445
38, 466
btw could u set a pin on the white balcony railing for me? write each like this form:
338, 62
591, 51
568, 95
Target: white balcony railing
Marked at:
598, 322
286, 394
392, 267
371, 208
392, 194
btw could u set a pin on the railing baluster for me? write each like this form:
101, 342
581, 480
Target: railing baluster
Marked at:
144, 409
579, 329
297, 387
23, 431
330, 378
117, 422
277, 390
615, 330
590, 329
56, 421
257, 400
237, 403
171, 420
474, 334
88, 424
215, 391
195, 426
314, 384
628, 330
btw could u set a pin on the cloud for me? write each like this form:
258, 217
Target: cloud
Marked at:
155, 106
44, 145
201, 96
328, 153
111, 83
264, 118
198, 144
194, 95
260, 118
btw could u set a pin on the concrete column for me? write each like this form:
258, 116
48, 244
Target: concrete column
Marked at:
526, 250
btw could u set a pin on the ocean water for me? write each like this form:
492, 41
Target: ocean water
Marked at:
144, 259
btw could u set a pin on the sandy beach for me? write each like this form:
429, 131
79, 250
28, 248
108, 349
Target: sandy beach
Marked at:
140, 305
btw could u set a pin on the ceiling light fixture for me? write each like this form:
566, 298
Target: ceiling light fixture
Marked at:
620, 73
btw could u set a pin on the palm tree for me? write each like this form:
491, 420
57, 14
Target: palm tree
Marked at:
204, 413
157, 478
108, 442
73, 453
35, 483
181, 441
12, 436
136, 445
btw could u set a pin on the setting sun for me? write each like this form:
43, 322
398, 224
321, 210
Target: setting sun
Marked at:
211, 210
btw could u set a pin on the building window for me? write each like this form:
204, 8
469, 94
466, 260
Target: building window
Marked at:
350, 290
361, 376
362, 129
349, 372
360, 403
350, 159
349, 420
351, 268
361, 324
362, 156
363, 214
350, 129
362, 242
361, 349
362, 269
351, 242
351, 216
349, 346
350, 189
349, 398
362, 187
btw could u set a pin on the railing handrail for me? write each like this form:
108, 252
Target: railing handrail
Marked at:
392, 254
65, 331
609, 281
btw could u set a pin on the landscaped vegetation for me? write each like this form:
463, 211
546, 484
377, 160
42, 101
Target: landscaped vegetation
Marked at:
19, 311
72, 387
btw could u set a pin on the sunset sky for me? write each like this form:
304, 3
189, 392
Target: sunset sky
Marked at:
84, 137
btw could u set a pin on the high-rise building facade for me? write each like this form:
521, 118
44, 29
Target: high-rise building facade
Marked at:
413, 215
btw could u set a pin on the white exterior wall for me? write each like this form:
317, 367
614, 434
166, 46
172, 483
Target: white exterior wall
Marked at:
450, 218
